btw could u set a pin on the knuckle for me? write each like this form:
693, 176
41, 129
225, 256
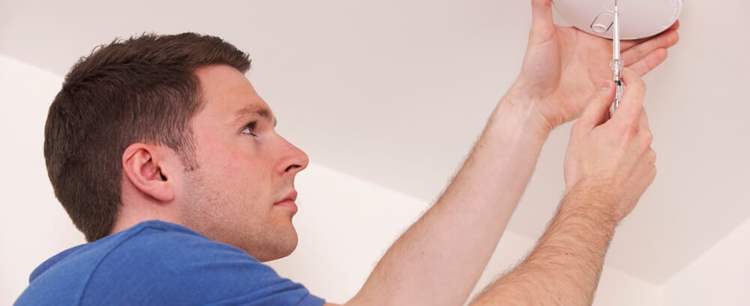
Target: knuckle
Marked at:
631, 129
652, 156
648, 137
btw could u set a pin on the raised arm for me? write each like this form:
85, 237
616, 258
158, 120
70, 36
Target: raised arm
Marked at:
439, 259
608, 167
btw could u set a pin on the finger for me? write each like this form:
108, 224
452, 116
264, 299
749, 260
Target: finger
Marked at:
644, 120
673, 30
649, 159
597, 111
648, 63
542, 26
645, 130
632, 99
675, 25
645, 170
643, 160
642, 49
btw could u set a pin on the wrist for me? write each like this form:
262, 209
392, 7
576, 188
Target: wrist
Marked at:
523, 111
597, 197
539, 100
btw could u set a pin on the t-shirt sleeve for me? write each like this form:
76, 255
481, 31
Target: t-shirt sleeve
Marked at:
192, 270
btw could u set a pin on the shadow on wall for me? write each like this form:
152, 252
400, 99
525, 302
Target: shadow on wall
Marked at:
4, 21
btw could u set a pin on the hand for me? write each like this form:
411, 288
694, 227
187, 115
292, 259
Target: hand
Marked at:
563, 65
614, 154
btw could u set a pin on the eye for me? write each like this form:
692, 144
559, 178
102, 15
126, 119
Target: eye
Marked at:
250, 128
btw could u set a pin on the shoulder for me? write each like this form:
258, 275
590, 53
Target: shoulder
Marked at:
167, 263
175, 247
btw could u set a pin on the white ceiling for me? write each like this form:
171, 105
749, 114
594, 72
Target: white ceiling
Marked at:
395, 92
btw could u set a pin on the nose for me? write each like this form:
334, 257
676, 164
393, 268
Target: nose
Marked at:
295, 160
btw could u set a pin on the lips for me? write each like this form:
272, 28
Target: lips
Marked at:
292, 196
288, 202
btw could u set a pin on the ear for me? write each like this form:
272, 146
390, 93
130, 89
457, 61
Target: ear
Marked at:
143, 166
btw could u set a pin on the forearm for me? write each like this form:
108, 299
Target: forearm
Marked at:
565, 266
438, 260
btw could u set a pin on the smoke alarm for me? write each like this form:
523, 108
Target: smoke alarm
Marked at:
638, 18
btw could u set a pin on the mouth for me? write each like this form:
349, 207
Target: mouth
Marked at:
288, 201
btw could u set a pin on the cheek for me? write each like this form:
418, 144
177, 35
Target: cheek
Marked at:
237, 174
217, 157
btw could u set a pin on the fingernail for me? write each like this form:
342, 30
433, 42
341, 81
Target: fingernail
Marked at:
605, 85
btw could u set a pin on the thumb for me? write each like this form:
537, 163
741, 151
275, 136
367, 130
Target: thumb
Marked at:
542, 25
597, 111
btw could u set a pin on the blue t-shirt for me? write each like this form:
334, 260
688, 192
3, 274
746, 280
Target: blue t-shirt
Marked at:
158, 263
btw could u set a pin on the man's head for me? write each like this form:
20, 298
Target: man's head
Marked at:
168, 127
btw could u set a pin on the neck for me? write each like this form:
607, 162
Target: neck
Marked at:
131, 214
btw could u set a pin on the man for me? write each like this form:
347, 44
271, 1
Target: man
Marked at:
167, 160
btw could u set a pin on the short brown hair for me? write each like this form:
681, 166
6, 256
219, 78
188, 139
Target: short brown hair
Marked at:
142, 89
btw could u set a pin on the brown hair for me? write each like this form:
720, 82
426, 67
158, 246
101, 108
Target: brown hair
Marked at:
142, 89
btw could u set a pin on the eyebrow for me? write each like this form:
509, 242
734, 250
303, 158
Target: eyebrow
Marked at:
255, 110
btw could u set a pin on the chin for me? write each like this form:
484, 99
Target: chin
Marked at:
279, 248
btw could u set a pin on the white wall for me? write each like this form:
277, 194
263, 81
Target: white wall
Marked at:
345, 224
33, 226
721, 276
